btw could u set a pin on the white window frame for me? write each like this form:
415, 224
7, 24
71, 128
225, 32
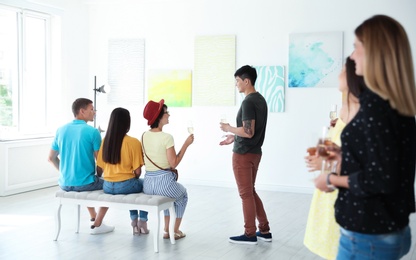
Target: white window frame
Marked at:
43, 129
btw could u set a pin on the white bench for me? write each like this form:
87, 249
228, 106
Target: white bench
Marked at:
153, 204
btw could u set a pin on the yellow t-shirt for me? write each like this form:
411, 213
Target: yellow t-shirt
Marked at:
131, 159
155, 145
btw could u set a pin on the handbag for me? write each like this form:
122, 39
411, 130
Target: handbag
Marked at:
175, 171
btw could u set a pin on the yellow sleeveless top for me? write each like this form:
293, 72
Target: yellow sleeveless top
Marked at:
322, 232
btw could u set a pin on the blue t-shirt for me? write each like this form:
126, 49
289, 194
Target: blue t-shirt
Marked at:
76, 143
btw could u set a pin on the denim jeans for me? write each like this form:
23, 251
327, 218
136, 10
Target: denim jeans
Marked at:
132, 185
359, 246
96, 185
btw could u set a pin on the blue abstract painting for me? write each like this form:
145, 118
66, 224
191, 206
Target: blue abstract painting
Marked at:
271, 84
315, 59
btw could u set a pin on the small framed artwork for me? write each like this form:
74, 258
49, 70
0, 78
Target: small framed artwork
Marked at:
271, 84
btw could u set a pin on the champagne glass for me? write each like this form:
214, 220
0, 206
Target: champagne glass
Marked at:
311, 150
190, 127
323, 142
333, 112
224, 121
224, 118
333, 115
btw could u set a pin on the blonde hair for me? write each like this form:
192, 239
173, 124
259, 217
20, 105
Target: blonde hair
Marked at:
388, 66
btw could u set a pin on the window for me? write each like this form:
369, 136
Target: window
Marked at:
24, 72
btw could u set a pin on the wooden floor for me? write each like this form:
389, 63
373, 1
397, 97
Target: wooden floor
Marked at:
213, 214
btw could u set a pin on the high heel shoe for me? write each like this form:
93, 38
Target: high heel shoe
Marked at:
142, 227
136, 229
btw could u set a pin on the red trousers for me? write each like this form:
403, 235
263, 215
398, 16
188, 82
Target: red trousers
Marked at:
245, 168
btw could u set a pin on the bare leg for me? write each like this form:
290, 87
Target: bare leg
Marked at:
100, 216
178, 234
92, 212
167, 219
177, 224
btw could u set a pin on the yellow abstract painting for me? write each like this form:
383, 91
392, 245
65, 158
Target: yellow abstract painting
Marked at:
174, 86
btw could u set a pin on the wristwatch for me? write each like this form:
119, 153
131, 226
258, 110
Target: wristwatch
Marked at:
328, 183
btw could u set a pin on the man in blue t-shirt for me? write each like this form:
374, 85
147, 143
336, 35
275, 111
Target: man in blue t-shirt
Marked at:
77, 145
248, 137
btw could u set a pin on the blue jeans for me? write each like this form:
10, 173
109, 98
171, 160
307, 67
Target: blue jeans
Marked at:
359, 246
96, 185
132, 185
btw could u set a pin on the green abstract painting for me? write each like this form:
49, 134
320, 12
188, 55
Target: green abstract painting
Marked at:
174, 86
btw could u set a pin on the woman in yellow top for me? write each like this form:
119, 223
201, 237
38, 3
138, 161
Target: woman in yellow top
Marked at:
120, 158
322, 232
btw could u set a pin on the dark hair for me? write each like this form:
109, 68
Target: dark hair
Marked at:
162, 112
80, 103
118, 127
247, 72
355, 83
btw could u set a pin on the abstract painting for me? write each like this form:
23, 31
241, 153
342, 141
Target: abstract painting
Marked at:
214, 67
126, 71
271, 84
315, 59
174, 86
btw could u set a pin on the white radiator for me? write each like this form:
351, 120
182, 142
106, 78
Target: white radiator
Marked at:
24, 166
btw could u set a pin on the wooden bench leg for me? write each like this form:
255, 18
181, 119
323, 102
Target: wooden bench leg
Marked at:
58, 220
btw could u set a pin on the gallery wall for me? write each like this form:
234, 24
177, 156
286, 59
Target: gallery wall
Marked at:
262, 30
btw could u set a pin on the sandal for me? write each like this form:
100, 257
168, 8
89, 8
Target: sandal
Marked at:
178, 235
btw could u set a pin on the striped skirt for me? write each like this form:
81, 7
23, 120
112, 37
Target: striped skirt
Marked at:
163, 183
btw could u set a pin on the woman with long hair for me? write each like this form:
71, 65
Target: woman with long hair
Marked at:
120, 158
376, 192
322, 232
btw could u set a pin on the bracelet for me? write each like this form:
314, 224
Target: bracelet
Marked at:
328, 183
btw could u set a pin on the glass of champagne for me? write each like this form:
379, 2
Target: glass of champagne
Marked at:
333, 114
190, 127
323, 142
224, 121
224, 118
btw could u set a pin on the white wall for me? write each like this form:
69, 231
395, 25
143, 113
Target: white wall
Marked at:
262, 30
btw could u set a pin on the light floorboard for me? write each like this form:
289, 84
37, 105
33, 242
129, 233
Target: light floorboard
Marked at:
213, 214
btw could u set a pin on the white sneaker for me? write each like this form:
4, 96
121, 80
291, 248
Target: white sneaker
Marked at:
101, 229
